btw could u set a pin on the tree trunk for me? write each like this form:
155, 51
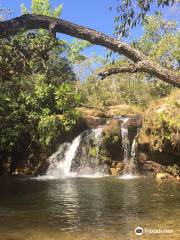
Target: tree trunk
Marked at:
143, 64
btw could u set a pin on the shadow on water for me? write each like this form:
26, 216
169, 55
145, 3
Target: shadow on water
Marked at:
82, 208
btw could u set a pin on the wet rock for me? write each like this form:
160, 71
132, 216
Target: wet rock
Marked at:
119, 167
143, 157
113, 165
151, 166
92, 117
112, 139
42, 168
164, 176
149, 174
133, 121
114, 172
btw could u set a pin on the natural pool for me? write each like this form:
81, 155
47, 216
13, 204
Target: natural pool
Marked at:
87, 208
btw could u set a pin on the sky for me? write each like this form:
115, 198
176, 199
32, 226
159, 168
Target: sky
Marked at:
89, 13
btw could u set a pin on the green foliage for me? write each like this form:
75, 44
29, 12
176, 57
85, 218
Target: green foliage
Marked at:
99, 151
75, 48
65, 96
37, 93
48, 127
26, 53
160, 42
93, 152
130, 13
70, 118
163, 126
115, 90
42, 7
174, 170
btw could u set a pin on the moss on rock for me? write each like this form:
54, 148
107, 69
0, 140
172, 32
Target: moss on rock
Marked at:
161, 127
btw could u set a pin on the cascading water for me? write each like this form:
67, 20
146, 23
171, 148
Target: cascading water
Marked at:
87, 160
75, 158
84, 155
60, 161
129, 132
125, 142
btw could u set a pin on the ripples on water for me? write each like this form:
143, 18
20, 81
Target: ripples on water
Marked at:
87, 208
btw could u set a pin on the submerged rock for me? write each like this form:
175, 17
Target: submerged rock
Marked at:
164, 176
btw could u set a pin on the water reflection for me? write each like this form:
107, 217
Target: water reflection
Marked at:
102, 206
78, 202
64, 203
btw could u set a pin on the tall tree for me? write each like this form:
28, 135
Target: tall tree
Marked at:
37, 96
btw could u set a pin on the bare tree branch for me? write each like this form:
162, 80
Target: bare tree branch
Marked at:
30, 22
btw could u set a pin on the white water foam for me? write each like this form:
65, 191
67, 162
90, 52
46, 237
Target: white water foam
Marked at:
61, 160
128, 176
62, 168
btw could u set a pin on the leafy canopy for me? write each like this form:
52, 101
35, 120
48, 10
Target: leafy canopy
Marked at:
37, 93
133, 12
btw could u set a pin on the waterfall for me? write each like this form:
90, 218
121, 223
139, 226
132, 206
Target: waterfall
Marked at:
125, 143
77, 158
129, 132
84, 155
87, 160
60, 161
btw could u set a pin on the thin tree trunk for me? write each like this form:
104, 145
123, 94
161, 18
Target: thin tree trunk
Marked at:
141, 62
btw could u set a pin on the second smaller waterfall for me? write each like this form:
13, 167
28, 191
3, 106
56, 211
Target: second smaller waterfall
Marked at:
129, 131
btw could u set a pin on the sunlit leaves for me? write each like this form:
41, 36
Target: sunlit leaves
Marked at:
48, 127
42, 7
133, 12
57, 11
75, 48
160, 41
66, 97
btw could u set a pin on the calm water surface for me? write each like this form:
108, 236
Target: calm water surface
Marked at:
87, 208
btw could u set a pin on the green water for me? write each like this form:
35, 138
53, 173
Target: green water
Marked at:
87, 208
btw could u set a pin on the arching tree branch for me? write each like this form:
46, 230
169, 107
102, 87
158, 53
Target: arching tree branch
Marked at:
141, 66
30, 22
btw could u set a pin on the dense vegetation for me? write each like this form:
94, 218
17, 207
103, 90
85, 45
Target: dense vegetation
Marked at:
40, 85
160, 42
37, 93
161, 129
